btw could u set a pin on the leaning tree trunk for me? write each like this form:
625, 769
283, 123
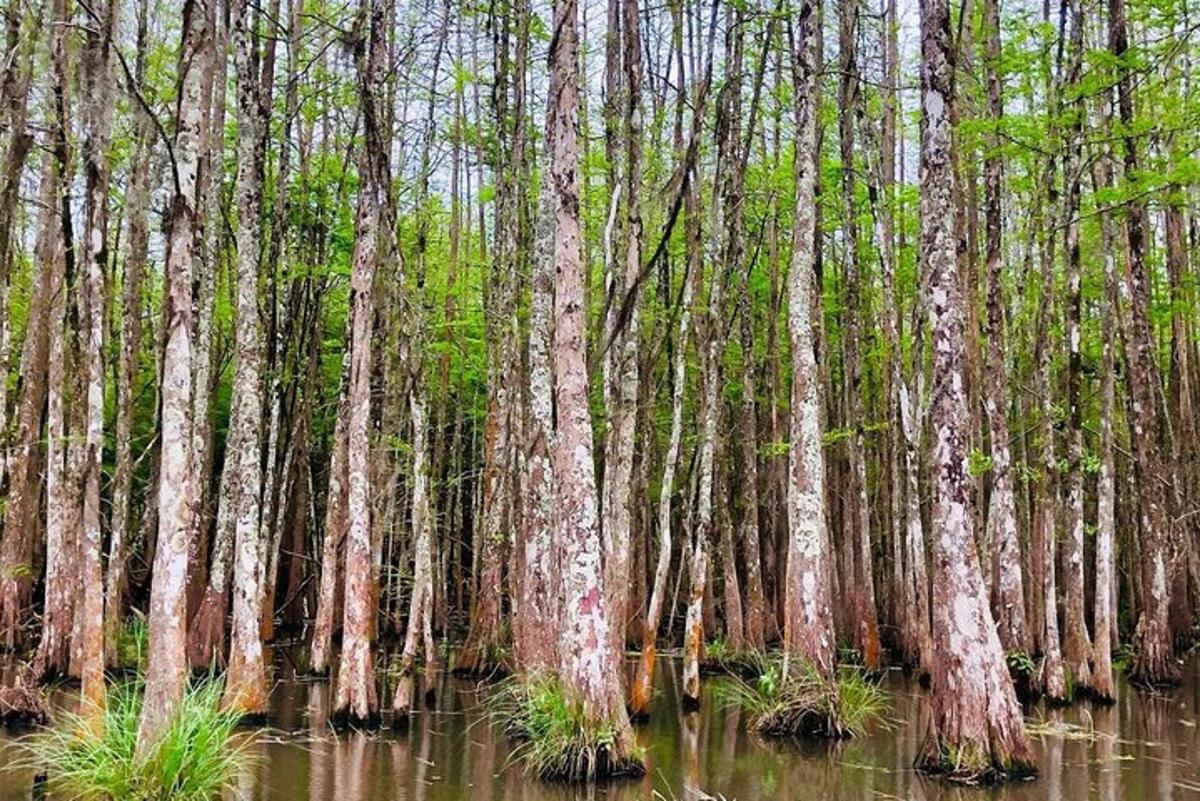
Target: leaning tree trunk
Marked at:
976, 729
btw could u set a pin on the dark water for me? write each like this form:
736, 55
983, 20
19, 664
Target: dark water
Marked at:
1144, 747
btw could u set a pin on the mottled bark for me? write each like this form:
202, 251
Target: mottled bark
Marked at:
206, 629
1077, 646
137, 239
535, 628
976, 728
808, 633
621, 380
1154, 662
1103, 620
97, 111
333, 542
357, 697
24, 459
587, 663
866, 625
246, 678
166, 671
1008, 592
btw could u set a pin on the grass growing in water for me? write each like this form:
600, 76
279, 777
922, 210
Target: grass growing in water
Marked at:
197, 756
721, 657
803, 703
558, 740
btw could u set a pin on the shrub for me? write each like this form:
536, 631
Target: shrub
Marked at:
198, 754
804, 703
557, 737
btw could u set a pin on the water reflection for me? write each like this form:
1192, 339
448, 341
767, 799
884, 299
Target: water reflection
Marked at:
1142, 747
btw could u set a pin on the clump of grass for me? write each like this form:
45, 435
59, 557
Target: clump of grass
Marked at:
801, 702
557, 738
197, 756
721, 657
132, 644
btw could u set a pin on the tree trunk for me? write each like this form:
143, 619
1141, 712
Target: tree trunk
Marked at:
357, 698
1008, 592
808, 633
166, 671
976, 729
1154, 661
246, 677
588, 663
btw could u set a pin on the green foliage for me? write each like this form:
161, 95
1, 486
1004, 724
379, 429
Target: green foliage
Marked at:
198, 755
801, 702
979, 463
560, 738
132, 643
1020, 663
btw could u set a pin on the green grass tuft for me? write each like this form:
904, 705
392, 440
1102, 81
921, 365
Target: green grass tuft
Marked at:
558, 739
803, 703
132, 644
197, 756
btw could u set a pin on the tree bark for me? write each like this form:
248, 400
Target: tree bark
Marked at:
976, 729
587, 661
246, 677
808, 633
166, 671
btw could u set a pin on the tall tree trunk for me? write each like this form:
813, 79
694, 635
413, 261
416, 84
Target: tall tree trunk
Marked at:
866, 628
1154, 662
587, 662
1008, 592
206, 630
246, 678
808, 633
1104, 615
357, 698
1077, 646
97, 119
137, 238
976, 729
166, 670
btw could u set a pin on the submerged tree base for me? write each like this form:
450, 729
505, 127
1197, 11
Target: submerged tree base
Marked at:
972, 765
558, 739
23, 707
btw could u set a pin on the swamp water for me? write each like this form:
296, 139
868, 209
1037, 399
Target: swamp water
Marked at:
1144, 747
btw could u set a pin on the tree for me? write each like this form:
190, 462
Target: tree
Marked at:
166, 669
808, 608
976, 728
587, 661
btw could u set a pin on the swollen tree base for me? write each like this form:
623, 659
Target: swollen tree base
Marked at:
1154, 664
972, 763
